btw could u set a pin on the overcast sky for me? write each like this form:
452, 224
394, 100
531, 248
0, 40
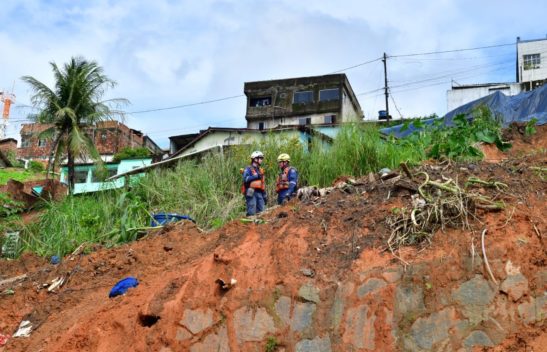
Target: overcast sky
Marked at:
168, 53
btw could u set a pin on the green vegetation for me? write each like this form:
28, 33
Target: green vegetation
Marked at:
12, 157
131, 153
530, 128
9, 207
74, 103
271, 344
459, 142
21, 175
35, 166
208, 189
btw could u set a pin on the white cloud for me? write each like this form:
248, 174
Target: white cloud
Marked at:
167, 53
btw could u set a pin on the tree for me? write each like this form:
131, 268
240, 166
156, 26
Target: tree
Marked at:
74, 103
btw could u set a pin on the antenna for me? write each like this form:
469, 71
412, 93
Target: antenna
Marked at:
7, 98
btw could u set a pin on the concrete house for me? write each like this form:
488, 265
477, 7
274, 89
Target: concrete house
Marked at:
531, 72
313, 100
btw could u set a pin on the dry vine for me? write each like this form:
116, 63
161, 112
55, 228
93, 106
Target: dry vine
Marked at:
439, 205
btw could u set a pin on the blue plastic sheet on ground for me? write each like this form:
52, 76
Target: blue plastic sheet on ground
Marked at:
122, 286
522, 107
37, 190
160, 219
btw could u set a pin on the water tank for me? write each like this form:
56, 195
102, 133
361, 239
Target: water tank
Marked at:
382, 115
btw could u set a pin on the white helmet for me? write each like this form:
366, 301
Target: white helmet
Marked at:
257, 154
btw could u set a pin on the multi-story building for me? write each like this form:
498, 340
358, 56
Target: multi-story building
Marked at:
314, 100
109, 137
531, 63
531, 72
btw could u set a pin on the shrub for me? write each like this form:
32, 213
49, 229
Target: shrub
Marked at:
36, 166
131, 153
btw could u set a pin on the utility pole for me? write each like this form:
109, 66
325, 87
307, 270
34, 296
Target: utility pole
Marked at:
386, 91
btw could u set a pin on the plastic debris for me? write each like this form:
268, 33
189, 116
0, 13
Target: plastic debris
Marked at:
11, 245
24, 329
160, 219
55, 260
4, 339
384, 171
253, 221
122, 286
225, 286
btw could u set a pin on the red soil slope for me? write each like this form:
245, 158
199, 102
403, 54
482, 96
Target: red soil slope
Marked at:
315, 277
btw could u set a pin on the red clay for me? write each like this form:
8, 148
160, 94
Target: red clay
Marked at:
342, 240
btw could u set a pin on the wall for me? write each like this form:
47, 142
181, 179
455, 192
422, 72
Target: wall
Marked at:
221, 139
458, 97
532, 47
349, 114
109, 138
316, 119
8, 145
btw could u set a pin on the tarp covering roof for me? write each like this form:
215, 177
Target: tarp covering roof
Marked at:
522, 107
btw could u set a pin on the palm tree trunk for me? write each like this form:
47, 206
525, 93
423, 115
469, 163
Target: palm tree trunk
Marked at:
71, 173
50, 162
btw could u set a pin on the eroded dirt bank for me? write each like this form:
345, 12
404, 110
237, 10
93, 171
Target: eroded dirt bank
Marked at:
316, 277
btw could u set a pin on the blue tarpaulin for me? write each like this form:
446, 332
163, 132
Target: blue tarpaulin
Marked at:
522, 107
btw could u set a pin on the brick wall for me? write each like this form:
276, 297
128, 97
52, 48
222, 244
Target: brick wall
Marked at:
109, 137
8, 144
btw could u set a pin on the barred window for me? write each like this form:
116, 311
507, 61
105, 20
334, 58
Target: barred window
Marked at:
531, 61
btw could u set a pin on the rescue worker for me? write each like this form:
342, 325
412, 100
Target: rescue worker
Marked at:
287, 180
254, 185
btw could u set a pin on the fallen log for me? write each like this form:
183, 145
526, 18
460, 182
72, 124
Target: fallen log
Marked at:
13, 280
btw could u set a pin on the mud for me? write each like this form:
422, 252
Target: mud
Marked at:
316, 276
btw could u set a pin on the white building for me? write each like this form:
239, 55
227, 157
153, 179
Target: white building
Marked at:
531, 72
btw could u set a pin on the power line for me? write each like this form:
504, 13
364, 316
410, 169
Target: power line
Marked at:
453, 50
395, 104
341, 70
187, 105
358, 65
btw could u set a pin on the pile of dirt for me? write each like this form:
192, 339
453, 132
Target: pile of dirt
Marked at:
309, 276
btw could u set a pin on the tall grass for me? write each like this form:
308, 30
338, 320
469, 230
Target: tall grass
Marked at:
208, 189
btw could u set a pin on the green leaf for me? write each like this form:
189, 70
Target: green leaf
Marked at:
486, 136
502, 145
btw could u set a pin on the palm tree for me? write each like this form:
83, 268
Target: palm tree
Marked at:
74, 103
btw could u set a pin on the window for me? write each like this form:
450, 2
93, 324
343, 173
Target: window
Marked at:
261, 126
101, 177
330, 119
531, 61
80, 176
303, 97
260, 102
103, 136
41, 142
25, 143
304, 121
329, 94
